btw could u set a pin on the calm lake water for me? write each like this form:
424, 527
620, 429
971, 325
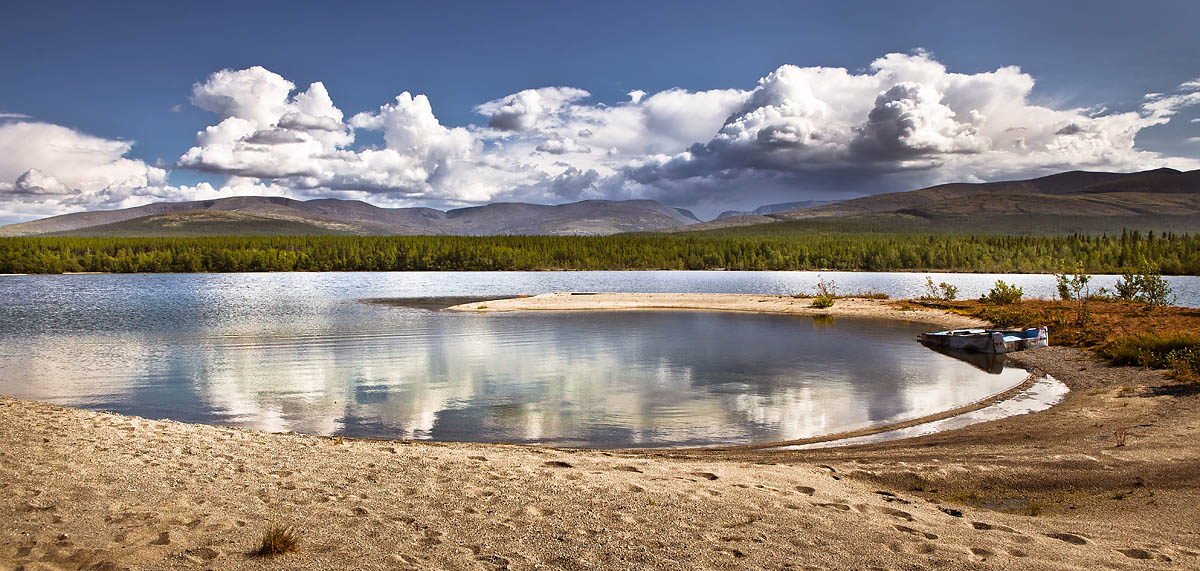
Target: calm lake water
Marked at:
305, 352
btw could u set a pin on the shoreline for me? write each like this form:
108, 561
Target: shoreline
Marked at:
1048, 490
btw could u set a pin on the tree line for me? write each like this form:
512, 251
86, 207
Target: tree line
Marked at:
1167, 253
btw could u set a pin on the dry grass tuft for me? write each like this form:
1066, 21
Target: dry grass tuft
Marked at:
1120, 436
1034, 508
278, 540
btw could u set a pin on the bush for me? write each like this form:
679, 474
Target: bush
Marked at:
1145, 285
1179, 352
278, 540
940, 292
1011, 316
1155, 291
1128, 286
1003, 294
1074, 288
826, 294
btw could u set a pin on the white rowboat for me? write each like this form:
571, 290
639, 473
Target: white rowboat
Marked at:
987, 340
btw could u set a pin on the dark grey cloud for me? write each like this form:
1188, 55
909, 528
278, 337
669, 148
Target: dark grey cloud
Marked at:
274, 137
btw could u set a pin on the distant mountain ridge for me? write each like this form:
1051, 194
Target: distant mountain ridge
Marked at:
247, 215
1074, 193
1063, 202
768, 209
1096, 196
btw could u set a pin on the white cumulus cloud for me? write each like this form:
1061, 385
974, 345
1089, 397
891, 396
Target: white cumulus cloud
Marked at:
800, 132
906, 122
49, 169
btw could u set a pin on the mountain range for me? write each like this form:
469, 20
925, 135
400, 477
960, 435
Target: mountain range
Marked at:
1075, 201
775, 208
260, 215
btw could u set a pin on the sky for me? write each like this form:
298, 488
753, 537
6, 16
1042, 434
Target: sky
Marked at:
702, 105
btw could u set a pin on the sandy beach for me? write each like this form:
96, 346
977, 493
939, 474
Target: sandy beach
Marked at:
851, 307
1048, 490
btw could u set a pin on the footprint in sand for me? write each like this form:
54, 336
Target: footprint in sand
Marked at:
496, 560
842, 507
915, 532
431, 538
634, 469
890, 497
980, 551
918, 547
806, 490
705, 475
557, 464
203, 553
538, 511
992, 527
886, 511
1068, 537
1134, 553
736, 553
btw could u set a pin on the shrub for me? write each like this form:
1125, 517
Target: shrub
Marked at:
822, 302
1178, 352
1120, 436
1128, 286
1145, 285
1011, 316
278, 540
826, 293
1155, 291
1074, 288
940, 292
1003, 294
1034, 508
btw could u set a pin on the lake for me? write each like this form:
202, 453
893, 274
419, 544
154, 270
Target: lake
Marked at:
306, 353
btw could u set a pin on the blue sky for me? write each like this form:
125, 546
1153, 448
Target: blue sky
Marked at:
125, 74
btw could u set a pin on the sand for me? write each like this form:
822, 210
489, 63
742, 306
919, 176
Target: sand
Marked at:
854, 307
1048, 490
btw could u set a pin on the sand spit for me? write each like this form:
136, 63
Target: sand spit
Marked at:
1048, 490
850, 307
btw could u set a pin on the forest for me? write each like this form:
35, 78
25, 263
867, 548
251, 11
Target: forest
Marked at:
1170, 253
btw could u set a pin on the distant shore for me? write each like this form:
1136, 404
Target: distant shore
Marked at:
1048, 490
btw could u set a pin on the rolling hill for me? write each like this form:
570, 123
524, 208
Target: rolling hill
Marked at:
258, 215
1085, 202
1069, 202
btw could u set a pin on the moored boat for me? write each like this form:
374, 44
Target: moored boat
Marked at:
987, 340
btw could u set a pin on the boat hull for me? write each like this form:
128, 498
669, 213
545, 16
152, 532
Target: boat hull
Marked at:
987, 341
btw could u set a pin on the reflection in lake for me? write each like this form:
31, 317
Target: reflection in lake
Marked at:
987, 362
321, 362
